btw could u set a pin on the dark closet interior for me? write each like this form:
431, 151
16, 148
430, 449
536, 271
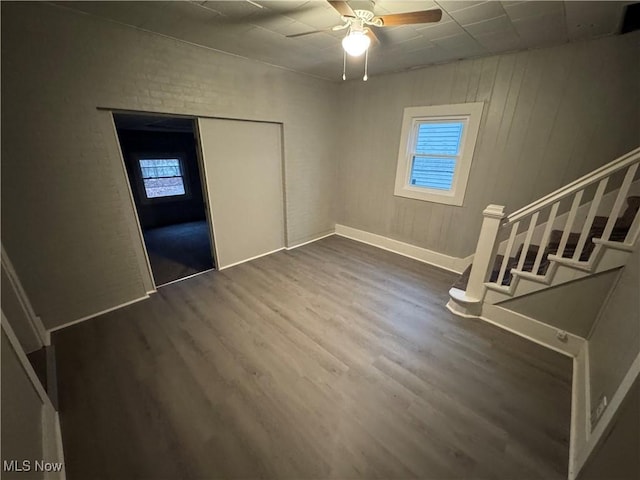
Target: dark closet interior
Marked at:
161, 157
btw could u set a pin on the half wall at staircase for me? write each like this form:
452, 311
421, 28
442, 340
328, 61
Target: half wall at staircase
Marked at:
572, 307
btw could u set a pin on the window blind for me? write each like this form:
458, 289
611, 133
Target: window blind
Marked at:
435, 154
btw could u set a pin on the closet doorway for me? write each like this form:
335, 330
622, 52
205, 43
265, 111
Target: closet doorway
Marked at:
160, 154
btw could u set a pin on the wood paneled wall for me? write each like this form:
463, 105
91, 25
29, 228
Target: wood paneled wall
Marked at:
550, 116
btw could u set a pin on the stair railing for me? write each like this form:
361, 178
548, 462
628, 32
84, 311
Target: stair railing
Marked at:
495, 223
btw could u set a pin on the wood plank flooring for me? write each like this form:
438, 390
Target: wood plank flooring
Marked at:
334, 360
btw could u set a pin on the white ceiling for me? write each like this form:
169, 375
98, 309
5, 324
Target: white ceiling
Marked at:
467, 29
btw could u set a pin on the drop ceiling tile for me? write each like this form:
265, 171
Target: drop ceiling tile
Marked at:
400, 34
461, 46
520, 10
542, 30
478, 13
593, 19
441, 30
497, 24
414, 44
319, 41
232, 9
274, 23
454, 5
283, 6
130, 13
318, 17
260, 33
293, 28
393, 6
503, 41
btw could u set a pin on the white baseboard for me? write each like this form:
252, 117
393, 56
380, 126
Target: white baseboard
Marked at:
311, 241
532, 329
251, 258
184, 278
97, 314
446, 262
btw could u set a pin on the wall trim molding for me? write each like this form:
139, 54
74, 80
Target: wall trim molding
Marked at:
52, 447
293, 247
251, 258
24, 362
584, 450
579, 429
35, 322
532, 330
184, 278
97, 314
440, 260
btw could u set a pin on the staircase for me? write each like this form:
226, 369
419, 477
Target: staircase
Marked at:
587, 227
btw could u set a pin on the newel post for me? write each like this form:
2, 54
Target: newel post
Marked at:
485, 251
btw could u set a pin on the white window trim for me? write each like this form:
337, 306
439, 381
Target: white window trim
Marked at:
471, 113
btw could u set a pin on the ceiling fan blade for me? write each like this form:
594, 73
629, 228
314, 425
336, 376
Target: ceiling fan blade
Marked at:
343, 8
425, 16
307, 33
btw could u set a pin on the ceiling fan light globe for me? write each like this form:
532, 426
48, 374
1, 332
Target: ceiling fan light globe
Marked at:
356, 43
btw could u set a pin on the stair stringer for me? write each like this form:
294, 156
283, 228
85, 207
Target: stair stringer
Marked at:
604, 257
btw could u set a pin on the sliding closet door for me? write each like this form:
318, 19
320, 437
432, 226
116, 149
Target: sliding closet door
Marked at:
243, 169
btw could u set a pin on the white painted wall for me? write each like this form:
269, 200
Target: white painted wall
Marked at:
551, 115
614, 342
67, 219
572, 307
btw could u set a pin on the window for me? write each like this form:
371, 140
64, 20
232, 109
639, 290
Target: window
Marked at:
162, 177
436, 149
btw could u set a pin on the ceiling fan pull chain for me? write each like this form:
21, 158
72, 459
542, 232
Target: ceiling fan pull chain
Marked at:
366, 65
344, 65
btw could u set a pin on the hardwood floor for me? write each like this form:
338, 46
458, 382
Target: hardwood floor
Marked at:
334, 360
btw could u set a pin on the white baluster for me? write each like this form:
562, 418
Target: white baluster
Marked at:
545, 237
507, 252
569, 225
634, 231
620, 199
595, 204
527, 240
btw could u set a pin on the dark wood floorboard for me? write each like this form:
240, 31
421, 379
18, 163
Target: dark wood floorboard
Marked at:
178, 251
334, 360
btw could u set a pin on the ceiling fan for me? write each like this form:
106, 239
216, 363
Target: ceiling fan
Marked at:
359, 23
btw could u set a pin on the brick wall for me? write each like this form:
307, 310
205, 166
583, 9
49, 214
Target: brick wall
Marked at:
67, 220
